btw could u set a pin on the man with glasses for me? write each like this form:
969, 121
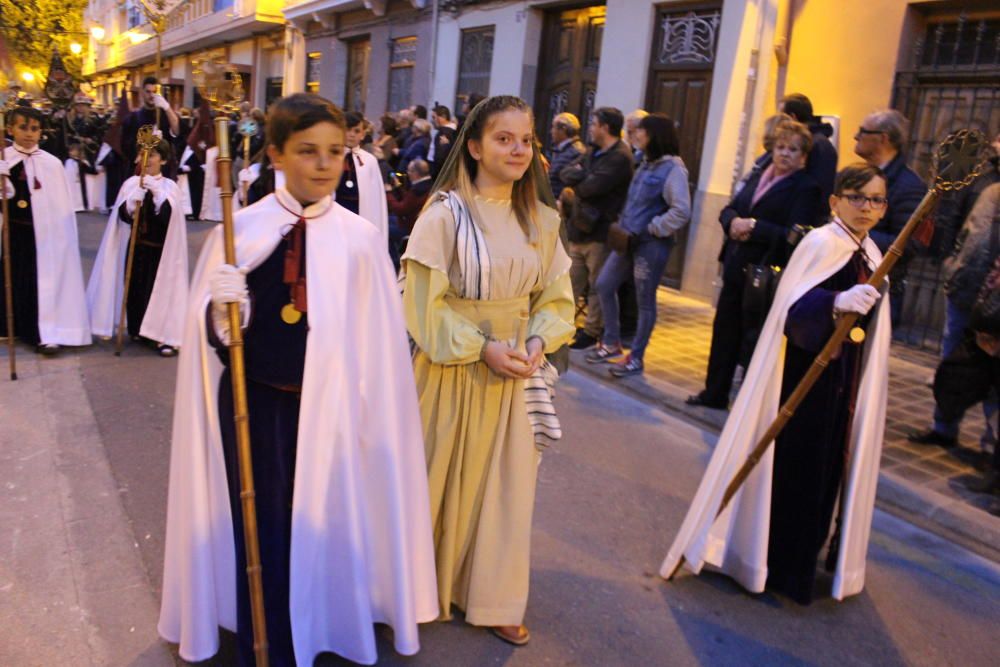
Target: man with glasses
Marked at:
879, 142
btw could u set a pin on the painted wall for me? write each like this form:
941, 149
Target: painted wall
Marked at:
826, 61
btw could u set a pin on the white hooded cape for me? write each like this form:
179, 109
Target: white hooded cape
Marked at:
371, 192
164, 318
737, 542
72, 169
211, 201
62, 309
362, 550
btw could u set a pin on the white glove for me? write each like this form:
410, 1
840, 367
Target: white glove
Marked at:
137, 196
246, 176
228, 284
158, 101
185, 168
859, 299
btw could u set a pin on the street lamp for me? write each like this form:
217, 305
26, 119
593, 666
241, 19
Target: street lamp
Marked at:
75, 48
97, 32
28, 76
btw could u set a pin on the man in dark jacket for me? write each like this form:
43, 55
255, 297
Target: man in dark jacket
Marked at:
598, 185
566, 148
405, 206
879, 142
445, 131
822, 161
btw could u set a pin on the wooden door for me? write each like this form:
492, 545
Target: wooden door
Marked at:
358, 55
680, 85
570, 58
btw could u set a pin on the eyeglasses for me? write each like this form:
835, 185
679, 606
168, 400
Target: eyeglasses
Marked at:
858, 201
862, 130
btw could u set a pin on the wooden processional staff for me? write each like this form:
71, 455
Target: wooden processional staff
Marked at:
8, 276
224, 94
957, 162
146, 140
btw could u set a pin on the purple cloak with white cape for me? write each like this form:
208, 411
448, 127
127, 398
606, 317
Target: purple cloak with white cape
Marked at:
736, 543
361, 547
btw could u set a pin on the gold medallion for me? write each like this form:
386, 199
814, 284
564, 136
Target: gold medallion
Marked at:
857, 335
22, 203
289, 315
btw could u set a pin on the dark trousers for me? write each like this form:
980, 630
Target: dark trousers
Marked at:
24, 275
727, 341
966, 377
145, 264
274, 423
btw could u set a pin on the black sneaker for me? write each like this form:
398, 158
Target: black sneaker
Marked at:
631, 366
700, 400
48, 349
932, 437
603, 354
583, 341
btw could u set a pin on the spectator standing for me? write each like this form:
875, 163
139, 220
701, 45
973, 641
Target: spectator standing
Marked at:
631, 128
385, 147
418, 145
756, 224
566, 148
966, 272
597, 186
879, 142
822, 161
445, 130
406, 205
657, 207
169, 124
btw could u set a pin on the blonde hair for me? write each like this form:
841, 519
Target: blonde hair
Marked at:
460, 169
770, 128
792, 128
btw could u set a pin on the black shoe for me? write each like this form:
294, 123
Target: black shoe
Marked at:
700, 401
932, 437
583, 341
988, 484
167, 351
48, 349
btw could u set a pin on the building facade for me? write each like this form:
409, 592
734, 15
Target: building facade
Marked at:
123, 47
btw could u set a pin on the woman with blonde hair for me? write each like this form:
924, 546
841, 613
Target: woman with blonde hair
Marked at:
487, 294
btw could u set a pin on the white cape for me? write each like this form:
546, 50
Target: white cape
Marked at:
736, 543
371, 192
164, 318
62, 309
362, 550
211, 201
72, 169
96, 187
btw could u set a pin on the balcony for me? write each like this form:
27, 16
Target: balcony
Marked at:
199, 24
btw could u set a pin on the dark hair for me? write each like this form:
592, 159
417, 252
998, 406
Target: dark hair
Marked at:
389, 125
353, 118
799, 106
420, 111
662, 136
856, 176
443, 111
611, 117
163, 148
298, 112
27, 113
150, 80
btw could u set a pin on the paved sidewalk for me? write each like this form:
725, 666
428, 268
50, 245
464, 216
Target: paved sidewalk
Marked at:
921, 483
73, 590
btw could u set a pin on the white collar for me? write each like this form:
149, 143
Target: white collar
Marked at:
292, 204
28, 151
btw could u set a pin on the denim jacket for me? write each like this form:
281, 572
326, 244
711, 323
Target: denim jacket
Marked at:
658, 202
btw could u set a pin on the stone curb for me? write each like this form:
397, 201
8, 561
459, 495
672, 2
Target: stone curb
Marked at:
946, 517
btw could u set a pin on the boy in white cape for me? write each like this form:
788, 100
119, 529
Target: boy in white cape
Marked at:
49, 305
773, 531
158, 285
341, 490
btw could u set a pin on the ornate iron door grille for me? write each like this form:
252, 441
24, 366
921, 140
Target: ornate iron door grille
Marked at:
952, 82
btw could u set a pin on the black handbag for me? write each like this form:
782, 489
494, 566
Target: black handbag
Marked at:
762, 279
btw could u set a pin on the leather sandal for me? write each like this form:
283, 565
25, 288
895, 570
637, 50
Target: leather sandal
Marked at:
519, 637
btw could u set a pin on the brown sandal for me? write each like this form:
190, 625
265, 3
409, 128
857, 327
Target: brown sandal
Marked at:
519, 637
